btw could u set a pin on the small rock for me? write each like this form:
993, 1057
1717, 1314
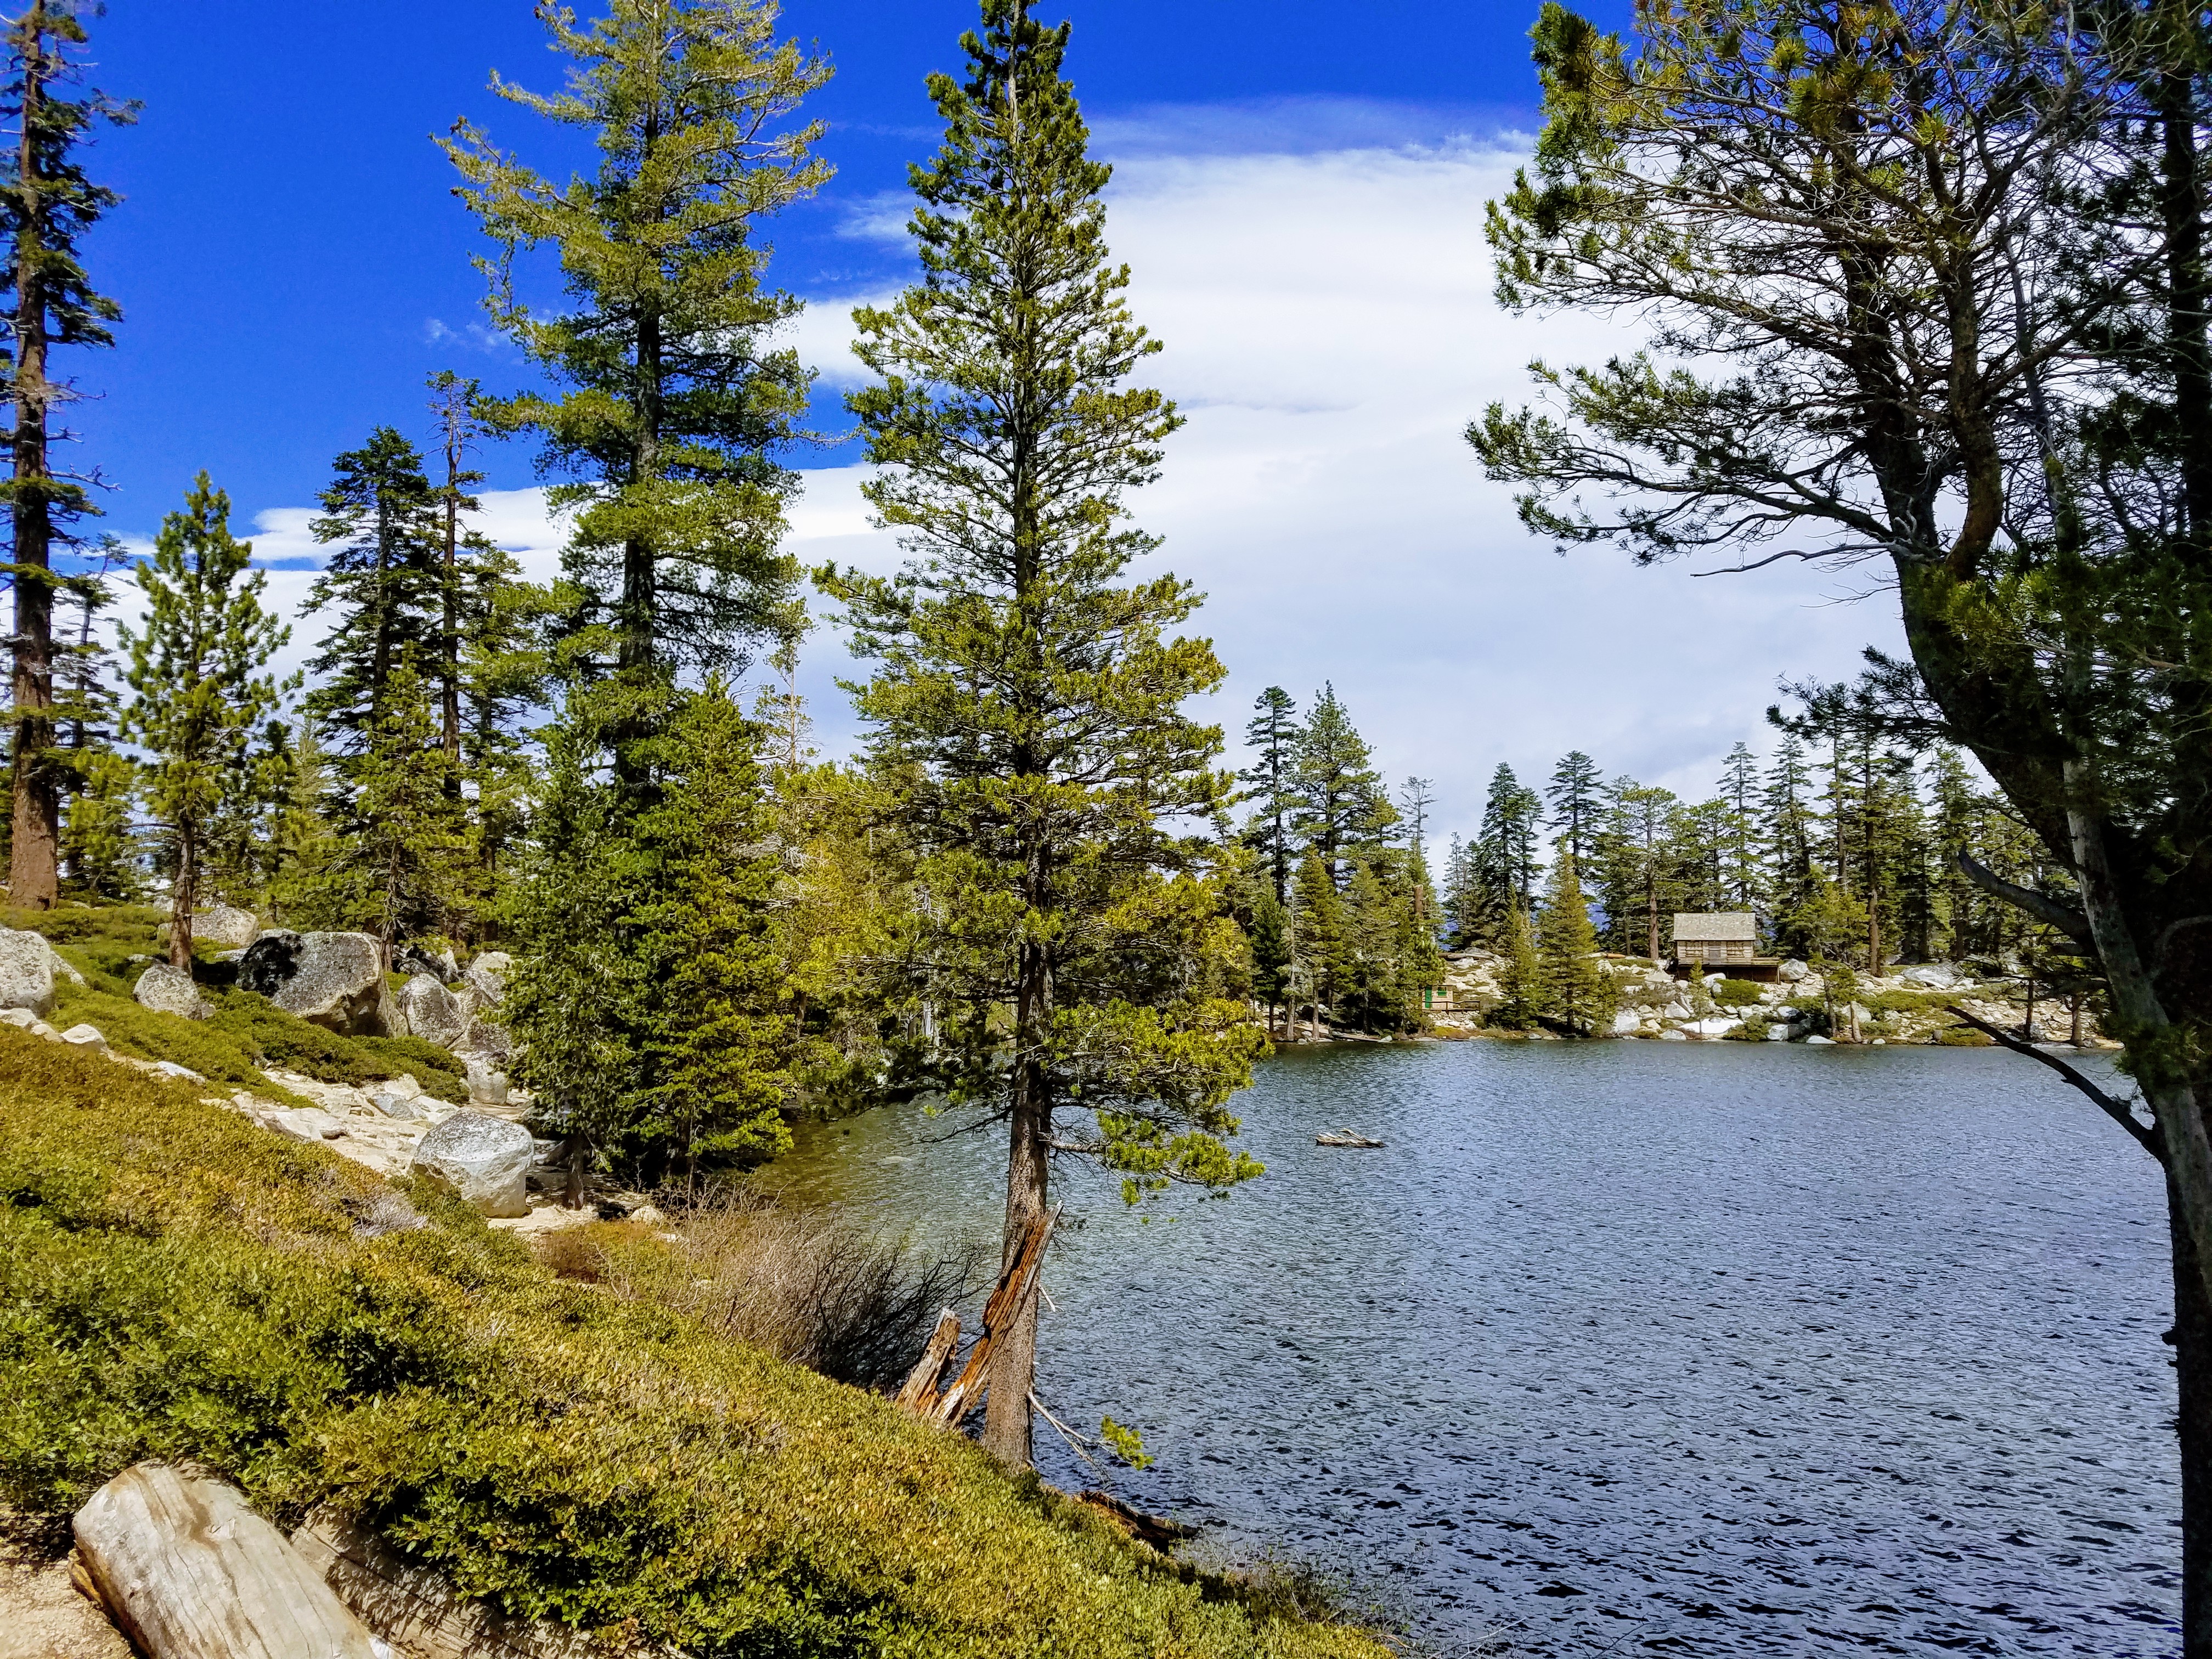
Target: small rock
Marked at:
1777, 1034
1820, 1043
1791, 971
221, 924
86, 1036
170, 1068
1672, 1035
22, 1019
485, 1160
649, 1214
487, 1084
169, 990
309, 1123
38, 1027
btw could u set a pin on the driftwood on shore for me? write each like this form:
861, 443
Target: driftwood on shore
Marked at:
1343, 1137
187, 1570
1016, 1284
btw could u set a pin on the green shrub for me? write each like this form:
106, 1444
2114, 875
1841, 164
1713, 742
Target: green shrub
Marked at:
1965, 1036
1735, 994
177, 1283
215, 1053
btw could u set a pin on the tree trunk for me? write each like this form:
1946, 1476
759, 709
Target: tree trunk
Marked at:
34, 864
2192, 1352
450, 643
184, 893
1006, 1417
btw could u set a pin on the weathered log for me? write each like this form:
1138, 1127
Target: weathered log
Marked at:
1154, 1530
1008, 1297
187, 1570
410, 1604
919, 1392
1344, 1138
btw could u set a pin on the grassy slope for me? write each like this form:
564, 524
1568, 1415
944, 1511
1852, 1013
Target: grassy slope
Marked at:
176, 1283
246, 1033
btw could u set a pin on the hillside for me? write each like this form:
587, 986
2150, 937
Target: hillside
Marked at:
178, 1283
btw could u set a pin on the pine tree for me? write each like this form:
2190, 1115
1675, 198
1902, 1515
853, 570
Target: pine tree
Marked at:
1575, 793
98, 840
1575, 990
1273, 733
197, 675
382, 583
1788, 831
1319, 922
404, 858
1504, 856
1271, 954
1642, 846
1743, 877
714, 1037
1027, 709
674, 404
1520, 979
302, 845
47, 204
1341, 807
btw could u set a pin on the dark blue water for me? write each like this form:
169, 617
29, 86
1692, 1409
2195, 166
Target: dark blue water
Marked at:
1720, 1349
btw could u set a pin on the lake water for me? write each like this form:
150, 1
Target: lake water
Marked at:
1715, 1349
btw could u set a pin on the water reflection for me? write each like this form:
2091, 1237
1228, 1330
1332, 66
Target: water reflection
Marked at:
1718, 1349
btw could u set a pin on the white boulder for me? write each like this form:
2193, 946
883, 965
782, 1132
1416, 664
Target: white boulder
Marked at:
487, 1084
486, 978
307, 1124
1933, 975
86, 1036
1626, 1021
432, 1013
1791, 971
1714, 1027
485, 1160
1820, 1043
1777, 1034
26, 971
167, 990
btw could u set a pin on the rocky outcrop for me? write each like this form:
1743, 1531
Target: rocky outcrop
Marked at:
167, 990
333, 979
27, 972
418, 959
483, 1158
432, 1013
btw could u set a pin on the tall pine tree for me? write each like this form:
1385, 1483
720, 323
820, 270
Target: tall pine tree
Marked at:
1027, 702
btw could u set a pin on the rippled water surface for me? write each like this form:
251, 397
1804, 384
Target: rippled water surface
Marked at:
1718, 1349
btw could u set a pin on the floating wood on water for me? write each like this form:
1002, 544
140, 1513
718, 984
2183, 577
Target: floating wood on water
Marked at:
1344, 1138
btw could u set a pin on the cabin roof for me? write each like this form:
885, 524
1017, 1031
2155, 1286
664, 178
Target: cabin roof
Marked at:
1715, 925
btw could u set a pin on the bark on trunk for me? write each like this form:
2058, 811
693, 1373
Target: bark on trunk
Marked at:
1006, 1416
184, 893
2192, 1351
33, 863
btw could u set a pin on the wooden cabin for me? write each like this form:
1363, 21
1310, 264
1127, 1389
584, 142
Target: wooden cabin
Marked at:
1716, 937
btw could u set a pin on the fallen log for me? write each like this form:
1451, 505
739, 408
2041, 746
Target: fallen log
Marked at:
1154, 1530
1343, 1137
410, 1603
187, 1570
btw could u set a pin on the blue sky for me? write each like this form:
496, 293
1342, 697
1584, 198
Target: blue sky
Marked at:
1299, 188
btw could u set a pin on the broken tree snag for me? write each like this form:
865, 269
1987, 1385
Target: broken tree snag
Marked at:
920, 1393
188, 1571
1007, 1299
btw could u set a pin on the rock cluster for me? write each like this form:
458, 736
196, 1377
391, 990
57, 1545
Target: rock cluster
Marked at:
1901, 1006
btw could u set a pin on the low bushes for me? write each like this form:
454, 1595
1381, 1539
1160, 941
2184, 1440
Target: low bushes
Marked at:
177, 1283
247, 1033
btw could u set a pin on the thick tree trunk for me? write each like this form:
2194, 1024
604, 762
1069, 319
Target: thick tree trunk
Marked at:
1006, 1417
2192, 1351
34, 860
184, 893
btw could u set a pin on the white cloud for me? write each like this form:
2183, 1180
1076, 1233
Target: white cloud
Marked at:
1329, 331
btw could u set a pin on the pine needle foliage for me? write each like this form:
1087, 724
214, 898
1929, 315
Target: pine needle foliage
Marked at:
674, 404
1028, 700
198, 674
